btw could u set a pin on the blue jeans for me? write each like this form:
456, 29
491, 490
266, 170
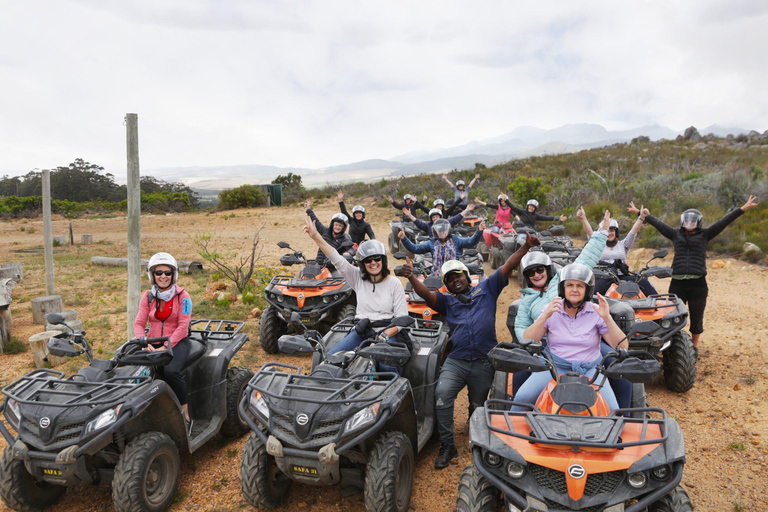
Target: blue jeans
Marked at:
529, 392
521, 238
353, 340
622, 388
455, 374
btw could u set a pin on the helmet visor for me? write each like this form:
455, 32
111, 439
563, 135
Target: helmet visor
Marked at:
441, 229
690, 220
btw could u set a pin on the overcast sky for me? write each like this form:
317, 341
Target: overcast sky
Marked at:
314, 84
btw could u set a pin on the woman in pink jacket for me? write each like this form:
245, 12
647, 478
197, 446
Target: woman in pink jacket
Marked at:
168, 308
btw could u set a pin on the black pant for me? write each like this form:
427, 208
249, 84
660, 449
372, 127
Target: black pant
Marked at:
171, 373
694, 293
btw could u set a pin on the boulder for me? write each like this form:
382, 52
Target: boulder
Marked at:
256, 312
718, 264
692, 134
750, 248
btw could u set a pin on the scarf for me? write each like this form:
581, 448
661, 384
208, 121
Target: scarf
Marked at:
166, 295
442, 253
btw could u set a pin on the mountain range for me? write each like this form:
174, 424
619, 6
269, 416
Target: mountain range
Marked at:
521, 142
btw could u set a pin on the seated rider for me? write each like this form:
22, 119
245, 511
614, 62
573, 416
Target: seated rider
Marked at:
440, 205
410, 203
502, 212
435, 214
333, 234
168, 309
460, 190
444, 246
616, 251
358, 227
573, 326
380, 296
528, 217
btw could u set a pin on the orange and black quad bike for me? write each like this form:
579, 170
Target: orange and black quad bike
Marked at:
319, 295
670, 344
569, 452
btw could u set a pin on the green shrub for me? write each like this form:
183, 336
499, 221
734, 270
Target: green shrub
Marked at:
15, 346
244, 196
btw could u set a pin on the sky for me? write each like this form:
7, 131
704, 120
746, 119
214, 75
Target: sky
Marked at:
320, 83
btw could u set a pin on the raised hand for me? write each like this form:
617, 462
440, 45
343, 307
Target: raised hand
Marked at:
445, 176
554, 306
478, 201
340, 195
532, 241
401, 234
407, 268
482, 226
580, 213
644, 212
750, 203
563, 218
603, 309
306, 204
310, 229
424, 199
477, 175
470, 207
632, 208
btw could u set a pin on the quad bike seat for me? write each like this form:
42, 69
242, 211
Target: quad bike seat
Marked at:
196, 351
311, 271
433, 283
91, 374
628, 290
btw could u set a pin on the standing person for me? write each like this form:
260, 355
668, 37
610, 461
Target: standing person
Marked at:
168, 309
616, 251
380, 296
460, 190
470, 312
444, 246
333, 234
502, 212
689, 265
435, 214
408, 202
573, 326
358, 227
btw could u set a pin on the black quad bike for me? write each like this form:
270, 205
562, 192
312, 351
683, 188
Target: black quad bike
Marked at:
672, 345
411, 231
343, 423
553, 241
114, 423
321, 298
569, 452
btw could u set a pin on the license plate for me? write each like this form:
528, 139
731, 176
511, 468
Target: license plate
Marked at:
303, 470
305, 320
51, 472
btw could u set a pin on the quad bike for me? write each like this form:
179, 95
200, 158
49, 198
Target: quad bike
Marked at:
411, 231
321, 298
114, 423
553, 241
569, 452
343, 423
672, 345
500, 246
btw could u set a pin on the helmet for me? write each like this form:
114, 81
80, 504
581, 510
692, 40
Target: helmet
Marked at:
406, 197
614, 224
533, 202
577, 272
339, 217
537, 259
441, 228
162, 258
371, 248
502, 196
440, 202
460, 182
358, 208
435, 211
451, 266
689, 217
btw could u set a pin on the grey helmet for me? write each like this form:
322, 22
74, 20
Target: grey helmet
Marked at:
433, 212
441, 228
341, 218
459, 183
358, 208
439, 202
691, 215
537, 259
406, 197
532, 202
371, 248
577, 272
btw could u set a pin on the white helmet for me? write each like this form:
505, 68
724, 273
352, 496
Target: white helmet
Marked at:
407, 197
451, 266
439, 201
433, 212
502, 196
360, 209
341, 219
460, 182
162, 258
533, 202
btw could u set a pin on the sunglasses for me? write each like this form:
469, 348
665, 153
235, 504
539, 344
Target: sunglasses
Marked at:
159, 273
534, 271
371, 259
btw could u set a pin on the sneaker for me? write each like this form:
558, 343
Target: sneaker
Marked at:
447, 453
696, 353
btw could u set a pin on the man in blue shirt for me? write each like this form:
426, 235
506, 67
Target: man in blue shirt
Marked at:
471, 315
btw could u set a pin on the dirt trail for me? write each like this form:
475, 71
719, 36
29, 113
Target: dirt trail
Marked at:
724, 417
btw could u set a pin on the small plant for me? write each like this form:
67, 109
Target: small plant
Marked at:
231, 453
750, 380
738, 508
233, 266
737, 447
223, 303
56, 243
22, 228
31, 231
15, 346
181, 495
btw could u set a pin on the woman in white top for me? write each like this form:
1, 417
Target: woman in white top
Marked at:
616, 250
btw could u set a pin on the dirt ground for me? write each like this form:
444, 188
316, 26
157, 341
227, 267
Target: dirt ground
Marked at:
724, 417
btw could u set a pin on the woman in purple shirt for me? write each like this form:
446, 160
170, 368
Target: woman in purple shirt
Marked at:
573, 326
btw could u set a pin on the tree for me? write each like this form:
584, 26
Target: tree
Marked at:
232, 265
289, 181
524, 188
244, 196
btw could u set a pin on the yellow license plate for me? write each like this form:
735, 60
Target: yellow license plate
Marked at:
303, 470
305, 320
51, 472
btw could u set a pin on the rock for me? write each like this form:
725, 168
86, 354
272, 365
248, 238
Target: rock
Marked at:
220, 296
718, 264
219, 286
750, 248
692, 134
256, 312
700, 145
737, 387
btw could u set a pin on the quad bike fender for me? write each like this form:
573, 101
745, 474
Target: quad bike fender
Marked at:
510, 495
480, 437
159, 412
670, 452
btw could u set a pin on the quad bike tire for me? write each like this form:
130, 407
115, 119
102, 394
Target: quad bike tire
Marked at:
499, 387
476, 493
679, 363
676, 500
262, 483
394, 243
271, 327
520, 277
389, 473
237, 382
484, 251
345, 311
494, 257
20, 490
147, 474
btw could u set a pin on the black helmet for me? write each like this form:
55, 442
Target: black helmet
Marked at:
340, 218
577, 272
537, 259
358, 208
690, 216
441, 228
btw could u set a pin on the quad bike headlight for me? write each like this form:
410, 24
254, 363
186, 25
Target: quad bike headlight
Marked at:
362, 417
661, 472
665, 324
515, 470
637, 480
13, 413
258, 405
103, 420
492, 459
325, 300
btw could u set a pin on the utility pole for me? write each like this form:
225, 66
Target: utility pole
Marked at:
134, 219
47, 233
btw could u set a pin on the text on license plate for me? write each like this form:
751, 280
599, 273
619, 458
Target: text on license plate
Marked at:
51, 472
305, 320
303, 470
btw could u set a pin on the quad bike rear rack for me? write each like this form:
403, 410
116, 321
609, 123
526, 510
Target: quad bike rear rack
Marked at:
219, 330
574, 430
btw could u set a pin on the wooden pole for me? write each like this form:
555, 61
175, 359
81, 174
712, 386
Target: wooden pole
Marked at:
134, 219
48, 233
71, 235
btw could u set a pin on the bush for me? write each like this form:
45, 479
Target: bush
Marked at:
15, 346
244, 196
